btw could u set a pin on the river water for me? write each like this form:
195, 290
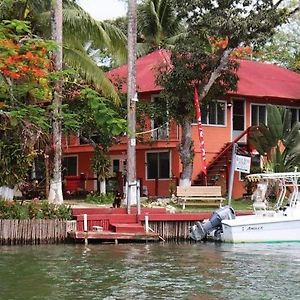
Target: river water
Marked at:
151, 271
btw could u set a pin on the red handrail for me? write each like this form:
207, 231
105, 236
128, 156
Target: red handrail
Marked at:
229, 146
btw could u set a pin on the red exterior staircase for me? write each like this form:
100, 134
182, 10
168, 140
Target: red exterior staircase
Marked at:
220, 164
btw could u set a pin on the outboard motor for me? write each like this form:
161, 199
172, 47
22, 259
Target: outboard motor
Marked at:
200, 230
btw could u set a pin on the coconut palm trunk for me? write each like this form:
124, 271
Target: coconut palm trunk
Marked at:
55, 194
131, 155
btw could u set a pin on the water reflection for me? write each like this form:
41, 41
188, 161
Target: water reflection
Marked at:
151, 271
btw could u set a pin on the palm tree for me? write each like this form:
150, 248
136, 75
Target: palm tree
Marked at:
78, 29
158, 24
55, 194
131, 107
277, 141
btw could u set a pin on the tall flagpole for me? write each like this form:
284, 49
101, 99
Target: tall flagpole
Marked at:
200, 132
131, 107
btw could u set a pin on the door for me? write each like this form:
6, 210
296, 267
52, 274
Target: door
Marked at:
238, 117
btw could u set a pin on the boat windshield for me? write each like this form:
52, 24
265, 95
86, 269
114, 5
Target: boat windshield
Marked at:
283, 186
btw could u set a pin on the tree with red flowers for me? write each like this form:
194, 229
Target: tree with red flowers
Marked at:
24, 68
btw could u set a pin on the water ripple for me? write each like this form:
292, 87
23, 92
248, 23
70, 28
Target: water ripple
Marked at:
151, 271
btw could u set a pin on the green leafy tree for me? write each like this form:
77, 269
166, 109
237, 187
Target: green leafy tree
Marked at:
24, 61
100, 125
277, 141
284, 47
204, 57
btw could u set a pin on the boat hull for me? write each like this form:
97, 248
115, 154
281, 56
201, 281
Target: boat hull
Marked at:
256, 229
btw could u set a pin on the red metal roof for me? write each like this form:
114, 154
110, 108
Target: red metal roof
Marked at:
257, 79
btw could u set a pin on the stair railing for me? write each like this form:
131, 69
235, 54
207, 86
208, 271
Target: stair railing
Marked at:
229, 146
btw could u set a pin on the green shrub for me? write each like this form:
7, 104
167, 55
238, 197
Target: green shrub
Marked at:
34, 210
100, 198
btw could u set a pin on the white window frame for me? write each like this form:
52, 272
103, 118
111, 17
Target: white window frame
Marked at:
215, 125
298, 111
258, 104
170, 163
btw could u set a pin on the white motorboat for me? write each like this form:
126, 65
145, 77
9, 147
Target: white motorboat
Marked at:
279, 222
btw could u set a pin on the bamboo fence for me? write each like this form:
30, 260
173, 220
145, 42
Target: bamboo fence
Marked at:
172, 230
17, 232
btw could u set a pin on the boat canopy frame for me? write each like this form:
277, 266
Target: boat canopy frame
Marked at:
287, 182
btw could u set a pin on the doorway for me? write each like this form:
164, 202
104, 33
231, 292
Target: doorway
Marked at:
238, 117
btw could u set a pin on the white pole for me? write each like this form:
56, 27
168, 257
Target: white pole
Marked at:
231, 174
85, 223
146, 223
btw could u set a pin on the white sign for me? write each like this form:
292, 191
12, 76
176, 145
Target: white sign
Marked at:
132, 142
242, 163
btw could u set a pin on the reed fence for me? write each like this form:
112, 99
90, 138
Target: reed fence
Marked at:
17, 232
172, 230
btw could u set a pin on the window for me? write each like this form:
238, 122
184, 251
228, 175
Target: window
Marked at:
69, 166
115, 165
86, 140
295, 115
238, 115
159, 120
158, 165
258, 114
214, 113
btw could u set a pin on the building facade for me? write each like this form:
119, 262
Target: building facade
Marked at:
225, 121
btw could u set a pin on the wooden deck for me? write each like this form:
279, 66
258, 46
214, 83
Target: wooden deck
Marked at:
114, 224
113, 236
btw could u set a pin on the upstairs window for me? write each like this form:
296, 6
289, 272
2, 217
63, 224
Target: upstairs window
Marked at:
159, 119
258, 114
213, 113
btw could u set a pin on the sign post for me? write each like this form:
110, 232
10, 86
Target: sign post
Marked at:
231, 174
239, 163
242, 163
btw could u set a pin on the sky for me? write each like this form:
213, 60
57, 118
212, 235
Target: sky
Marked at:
104, 9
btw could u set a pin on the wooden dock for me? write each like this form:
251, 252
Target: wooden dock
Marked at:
114, 224
104, 236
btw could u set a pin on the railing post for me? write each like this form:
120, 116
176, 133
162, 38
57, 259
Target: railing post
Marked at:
146, 223
85, 223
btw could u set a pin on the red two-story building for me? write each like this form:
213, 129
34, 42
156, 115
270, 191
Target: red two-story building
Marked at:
225, 121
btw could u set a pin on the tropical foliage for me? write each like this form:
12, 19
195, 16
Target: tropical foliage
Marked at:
284, 47
158, 25
33, 210
102, 35
25, 111
277, 141
204, 57
24, 64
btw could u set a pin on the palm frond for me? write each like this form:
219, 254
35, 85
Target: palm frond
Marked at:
87, 68
102, 34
